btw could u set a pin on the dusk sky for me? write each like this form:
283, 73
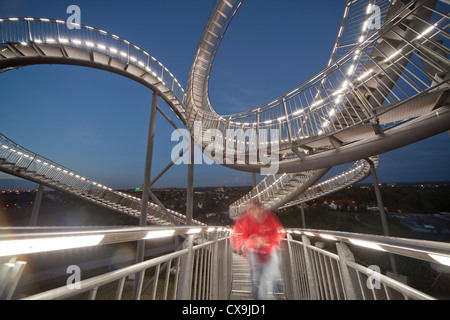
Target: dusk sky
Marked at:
96, 123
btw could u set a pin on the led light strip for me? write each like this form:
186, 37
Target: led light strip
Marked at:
36, 245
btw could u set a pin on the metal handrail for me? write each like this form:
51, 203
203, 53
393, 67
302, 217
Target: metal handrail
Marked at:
414, 248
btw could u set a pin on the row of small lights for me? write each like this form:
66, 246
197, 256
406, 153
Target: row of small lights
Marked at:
102, 47
80, 177
53, 166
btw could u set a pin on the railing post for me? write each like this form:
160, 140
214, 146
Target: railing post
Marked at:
288, 124
227, 273
190, 184
187, 265
36, 206
311, 275
214, 289
380, 204
349, 276
302, 208
292, 270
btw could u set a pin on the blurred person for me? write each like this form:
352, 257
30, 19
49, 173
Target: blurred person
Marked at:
256, 235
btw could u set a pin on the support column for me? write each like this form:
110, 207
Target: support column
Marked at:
349, 276
214, 286
303, 215
145, 193
254, 179
293, 270
310, 273
36, 206
381, 209
190, 185
187, 263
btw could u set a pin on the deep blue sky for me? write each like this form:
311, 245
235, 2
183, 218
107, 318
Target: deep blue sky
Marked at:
96, 122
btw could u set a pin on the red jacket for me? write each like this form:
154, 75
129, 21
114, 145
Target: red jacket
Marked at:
247, 227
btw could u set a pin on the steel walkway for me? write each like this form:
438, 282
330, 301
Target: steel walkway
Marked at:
241, 288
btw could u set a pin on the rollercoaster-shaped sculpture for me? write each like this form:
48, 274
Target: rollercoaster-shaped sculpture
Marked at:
385, 86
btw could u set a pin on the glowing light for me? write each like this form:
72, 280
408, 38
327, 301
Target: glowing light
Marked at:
16, 247
327, 236
441, 258
366, 24
364, 75
193, 231
428, 30
317, 103
393, 55
366, 244
159, 234
350, 70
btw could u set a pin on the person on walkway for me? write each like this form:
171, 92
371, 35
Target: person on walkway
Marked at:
257, 234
